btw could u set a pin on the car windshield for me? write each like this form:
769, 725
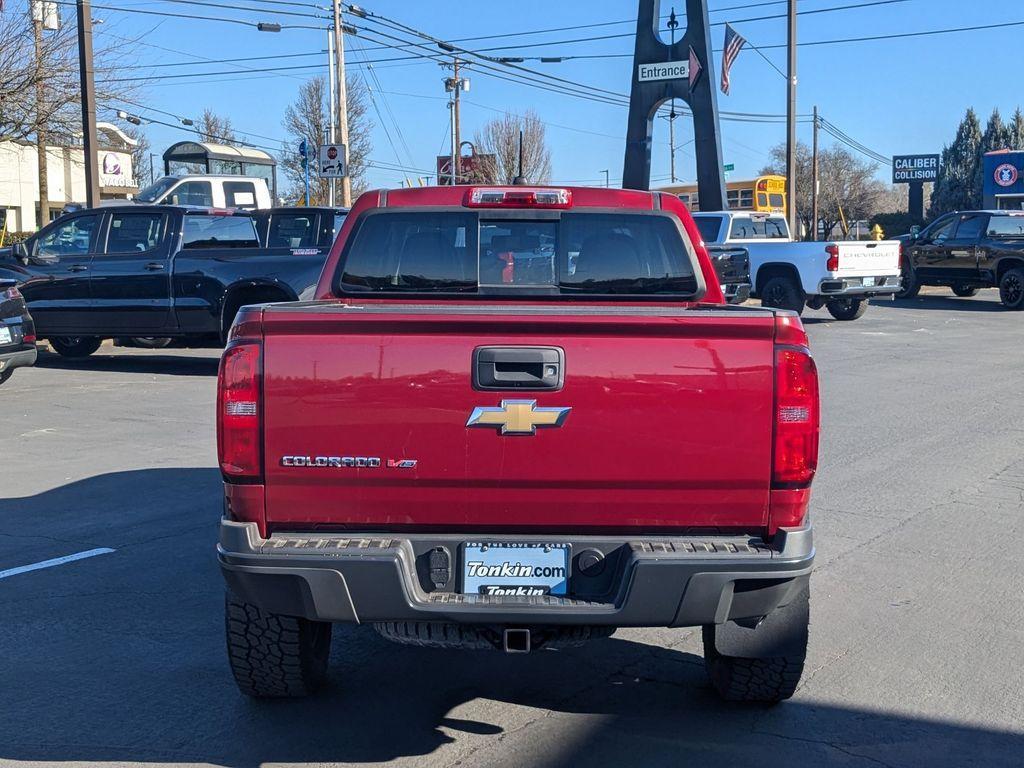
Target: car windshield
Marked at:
156, 190
574, 253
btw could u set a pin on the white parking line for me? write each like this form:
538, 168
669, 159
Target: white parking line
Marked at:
55, 561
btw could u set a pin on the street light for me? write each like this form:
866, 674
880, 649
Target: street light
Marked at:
133, 119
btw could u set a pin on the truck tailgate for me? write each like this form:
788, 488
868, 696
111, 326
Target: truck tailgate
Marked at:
670, 420
868, 258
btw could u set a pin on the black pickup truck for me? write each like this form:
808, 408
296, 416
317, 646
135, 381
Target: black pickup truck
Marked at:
965, 251
157, 271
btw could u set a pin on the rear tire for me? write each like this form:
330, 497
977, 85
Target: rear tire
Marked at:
151, 342
275, 656
847, 309
1011, 289
75, 346
783, 293
767, 679
909, 286
964, 291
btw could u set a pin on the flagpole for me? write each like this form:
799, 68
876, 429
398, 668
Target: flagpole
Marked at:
791, 212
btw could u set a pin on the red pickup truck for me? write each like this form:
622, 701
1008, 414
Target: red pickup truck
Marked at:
515, 418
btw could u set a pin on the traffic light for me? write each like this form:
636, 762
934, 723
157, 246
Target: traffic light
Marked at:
304, 153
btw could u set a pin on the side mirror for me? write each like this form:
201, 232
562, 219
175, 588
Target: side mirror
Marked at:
20, 252
915, 232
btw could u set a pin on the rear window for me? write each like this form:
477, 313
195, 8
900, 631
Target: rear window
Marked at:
1006, 226
772, 228
487, 253
709, 227
203, 231
292, 230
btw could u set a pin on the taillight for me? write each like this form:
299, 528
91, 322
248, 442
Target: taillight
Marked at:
518, 197
239, 411
797, 418
832, 265
29, 338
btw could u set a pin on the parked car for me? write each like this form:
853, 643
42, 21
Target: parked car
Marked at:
968, 250
468, 450
151, 272
247, 193
17, 332
838, 275
732, 265
300, 229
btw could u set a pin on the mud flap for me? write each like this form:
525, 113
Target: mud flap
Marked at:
781, 633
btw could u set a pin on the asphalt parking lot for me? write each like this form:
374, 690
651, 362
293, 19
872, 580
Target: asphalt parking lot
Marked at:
917, 603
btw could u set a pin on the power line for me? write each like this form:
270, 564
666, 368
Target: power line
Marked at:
242, 8
168, 14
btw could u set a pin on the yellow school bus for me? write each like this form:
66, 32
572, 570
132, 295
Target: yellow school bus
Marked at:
765, 194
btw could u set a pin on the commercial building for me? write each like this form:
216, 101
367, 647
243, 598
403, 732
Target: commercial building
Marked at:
1003, 185
65, 174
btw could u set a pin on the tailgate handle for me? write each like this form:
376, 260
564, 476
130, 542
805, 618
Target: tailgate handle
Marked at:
518, 368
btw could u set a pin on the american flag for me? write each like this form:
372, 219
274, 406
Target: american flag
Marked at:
734, 41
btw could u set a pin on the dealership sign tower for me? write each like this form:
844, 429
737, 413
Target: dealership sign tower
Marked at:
678, 71
915, 170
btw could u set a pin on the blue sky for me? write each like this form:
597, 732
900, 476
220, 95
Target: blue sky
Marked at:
895, 96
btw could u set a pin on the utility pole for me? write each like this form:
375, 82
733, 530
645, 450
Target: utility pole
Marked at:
456, 143
455, 149
339, 57
332, 109
791, 122
673, 22
88, 86
455, 85
814, 178
607, 183
44, 183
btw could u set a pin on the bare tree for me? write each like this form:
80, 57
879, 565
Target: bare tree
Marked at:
140, 154
39, 86
500, 138
847, 186
307, 118
217, 129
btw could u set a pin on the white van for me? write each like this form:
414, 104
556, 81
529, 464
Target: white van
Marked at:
245, 192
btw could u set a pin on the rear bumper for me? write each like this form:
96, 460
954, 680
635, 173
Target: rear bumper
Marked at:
736, 293
854, 286
17, 359
657, 581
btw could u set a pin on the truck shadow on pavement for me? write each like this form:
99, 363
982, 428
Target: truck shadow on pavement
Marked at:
983, 303
120, 658
109, 360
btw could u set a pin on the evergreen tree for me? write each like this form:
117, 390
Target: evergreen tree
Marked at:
1017, 130
954, 188
997, 136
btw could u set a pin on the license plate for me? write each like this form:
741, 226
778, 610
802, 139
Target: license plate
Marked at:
5, 335
869, 281
515, 569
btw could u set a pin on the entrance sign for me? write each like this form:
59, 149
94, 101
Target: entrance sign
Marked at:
672, 70
911, 168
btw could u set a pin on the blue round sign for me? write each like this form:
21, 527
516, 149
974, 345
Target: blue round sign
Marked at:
1006, 175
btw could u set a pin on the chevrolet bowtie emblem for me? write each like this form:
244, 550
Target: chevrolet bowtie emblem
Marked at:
518, 417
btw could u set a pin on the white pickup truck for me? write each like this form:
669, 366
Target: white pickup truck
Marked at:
838, 275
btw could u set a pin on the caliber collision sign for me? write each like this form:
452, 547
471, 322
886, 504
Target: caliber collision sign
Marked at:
908, 168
